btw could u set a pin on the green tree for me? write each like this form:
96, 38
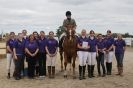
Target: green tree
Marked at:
59, 31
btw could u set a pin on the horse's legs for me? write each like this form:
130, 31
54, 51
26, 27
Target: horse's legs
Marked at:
73, 64
65, 65
61, 58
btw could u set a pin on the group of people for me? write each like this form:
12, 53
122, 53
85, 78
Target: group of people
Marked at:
40, 51
99, 49
35, 48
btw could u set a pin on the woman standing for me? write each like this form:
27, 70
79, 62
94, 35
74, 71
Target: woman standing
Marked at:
51, 49
36, 37
31, 49
109, 52
18, 50
92, 54
83, 46
9, 53
101, 50
42, 55
120, 47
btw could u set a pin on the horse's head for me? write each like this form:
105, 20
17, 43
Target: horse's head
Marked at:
70, 34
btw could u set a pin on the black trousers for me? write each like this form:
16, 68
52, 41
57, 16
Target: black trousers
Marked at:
100, 61
31, 66
42, 64
18, 65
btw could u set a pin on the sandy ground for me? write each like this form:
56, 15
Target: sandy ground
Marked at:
112, 81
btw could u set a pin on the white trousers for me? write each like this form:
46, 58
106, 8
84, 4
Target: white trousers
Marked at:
109, 56
51, 60
82, 57
91, 58
10, 63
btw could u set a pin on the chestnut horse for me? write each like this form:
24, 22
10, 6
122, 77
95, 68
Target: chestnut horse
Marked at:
70, 51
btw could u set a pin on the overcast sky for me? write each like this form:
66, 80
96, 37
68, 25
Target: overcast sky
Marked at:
47, 15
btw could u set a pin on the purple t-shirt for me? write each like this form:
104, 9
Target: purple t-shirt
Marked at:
52, 45
119, 44
19, 46
80, 42
93, 43
10, 43
109, 42
101, 44
42, 45
31, 46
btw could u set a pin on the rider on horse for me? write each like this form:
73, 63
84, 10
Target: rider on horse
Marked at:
68, 23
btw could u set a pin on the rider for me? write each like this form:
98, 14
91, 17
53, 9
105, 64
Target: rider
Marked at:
68, 23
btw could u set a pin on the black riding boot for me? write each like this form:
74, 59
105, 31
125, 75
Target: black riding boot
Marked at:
92, 70
80, 72
110, 68
84, 68
107, 68
89, 71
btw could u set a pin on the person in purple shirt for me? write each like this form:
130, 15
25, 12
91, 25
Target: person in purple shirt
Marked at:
101, 46
51, 49
25, 38
18, 50
42, 54
9, 53
83, 46
120, 47
36, 36
31, 49
92, 54
109, 52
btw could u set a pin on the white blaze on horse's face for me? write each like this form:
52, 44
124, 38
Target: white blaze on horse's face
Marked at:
70, 32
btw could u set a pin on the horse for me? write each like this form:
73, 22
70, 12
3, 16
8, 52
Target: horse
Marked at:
70, 51
61, 52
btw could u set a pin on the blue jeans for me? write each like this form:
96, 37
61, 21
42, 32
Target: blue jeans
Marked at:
119, 59
100, 61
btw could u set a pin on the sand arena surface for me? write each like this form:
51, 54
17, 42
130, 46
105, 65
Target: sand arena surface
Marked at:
112, 81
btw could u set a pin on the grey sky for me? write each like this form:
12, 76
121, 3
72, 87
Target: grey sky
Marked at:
47, 15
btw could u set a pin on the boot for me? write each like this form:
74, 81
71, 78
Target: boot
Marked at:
92, 70
118, 67
107, 68
121, 71
53, 72
8, 76
49, 71
110, 68
89, 71
84, 68
80, 72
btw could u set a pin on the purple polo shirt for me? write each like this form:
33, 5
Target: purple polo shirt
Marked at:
80, 42
93, 44
52, 45
109, 42
101, 44
31, 46
19, 46
10, 43
119, 44
42, 45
